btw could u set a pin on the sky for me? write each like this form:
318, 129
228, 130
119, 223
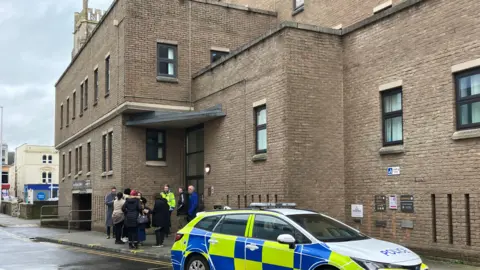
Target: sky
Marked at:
36, 42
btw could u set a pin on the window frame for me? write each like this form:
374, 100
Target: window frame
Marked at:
166, 60
95, 87
44, 159
104, 152
297, 7
459, 101
110, 150
76, 160
81, 99
295, 231
391, 115
107, 76
85, 92
223, 53
68, 113
229, 215
69, 162
89, 158
44, 177
61, 116
63, 165
220, 217
158, 145
80, 157
49, 159
258, 128
74, 104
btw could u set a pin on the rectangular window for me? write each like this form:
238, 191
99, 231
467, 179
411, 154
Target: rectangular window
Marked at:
50, 159
44, 177
69, 162
76, 160
61, 116
80, 158
68, 111
216, 55
450, 218
392, 117
85, 100
261, 129
104, 153
166, 60
468, 99
63, 165
110, 151
298, 4
74, 105
95, 86
468, 227
155, 145
44, 159
89, 161
81, 99
107, 76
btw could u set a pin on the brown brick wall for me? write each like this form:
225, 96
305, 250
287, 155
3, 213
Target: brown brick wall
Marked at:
418, 46
195, 26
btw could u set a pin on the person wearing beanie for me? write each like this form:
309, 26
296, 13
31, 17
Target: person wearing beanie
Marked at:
132, 209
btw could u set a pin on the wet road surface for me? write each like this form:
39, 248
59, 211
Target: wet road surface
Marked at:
18, 252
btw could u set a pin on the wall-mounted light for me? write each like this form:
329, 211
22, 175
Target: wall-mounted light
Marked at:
207, 169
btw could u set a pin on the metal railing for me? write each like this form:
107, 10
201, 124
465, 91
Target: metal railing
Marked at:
70, 220
42, 216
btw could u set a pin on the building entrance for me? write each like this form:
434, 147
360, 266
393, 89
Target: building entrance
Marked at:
82, 202
195, 159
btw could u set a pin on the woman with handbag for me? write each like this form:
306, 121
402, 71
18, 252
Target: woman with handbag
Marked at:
143, 221
118, 217
132, 208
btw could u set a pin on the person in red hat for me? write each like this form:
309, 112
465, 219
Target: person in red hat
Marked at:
132, 209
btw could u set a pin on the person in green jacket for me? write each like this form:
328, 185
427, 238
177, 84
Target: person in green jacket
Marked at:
170, 197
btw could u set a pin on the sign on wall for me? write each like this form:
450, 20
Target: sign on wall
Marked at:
406, 203
380, 203
393, 171
357, 210
41, 196
392, 202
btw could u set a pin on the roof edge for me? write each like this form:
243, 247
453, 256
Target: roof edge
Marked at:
238, 7
100, 23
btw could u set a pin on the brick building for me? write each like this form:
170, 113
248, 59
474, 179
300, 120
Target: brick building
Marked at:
314, 102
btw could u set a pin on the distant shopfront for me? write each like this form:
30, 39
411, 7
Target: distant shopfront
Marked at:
40, 192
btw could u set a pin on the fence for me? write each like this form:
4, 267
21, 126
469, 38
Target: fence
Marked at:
70, 220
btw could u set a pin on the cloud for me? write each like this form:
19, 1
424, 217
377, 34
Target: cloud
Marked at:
35, 48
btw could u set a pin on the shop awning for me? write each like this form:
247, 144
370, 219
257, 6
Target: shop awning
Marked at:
174, 119
5, 186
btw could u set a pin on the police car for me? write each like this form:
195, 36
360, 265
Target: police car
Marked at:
280, 237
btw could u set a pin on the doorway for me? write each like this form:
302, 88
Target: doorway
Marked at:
82, 202
195, 160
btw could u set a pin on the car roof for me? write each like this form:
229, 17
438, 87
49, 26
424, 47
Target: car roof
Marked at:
281, 211
290, 211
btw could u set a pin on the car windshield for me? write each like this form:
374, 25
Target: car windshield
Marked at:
326, 229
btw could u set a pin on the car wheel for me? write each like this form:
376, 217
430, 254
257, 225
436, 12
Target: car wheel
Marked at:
197, 262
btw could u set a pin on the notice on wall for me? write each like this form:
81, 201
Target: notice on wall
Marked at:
392, 202
406, 203
393, 171
357, 210
380, 203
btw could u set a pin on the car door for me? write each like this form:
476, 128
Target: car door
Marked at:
263, 251
226, 245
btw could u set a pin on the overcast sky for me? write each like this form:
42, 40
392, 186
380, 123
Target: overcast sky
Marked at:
36, 41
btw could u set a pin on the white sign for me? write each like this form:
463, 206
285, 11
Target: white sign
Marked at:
357, 210
392, 202
393, 171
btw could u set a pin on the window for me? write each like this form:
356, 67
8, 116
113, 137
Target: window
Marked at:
233, 225
110, 151
80, 158
74, 105
85, 100
50, 159
166, 60
76, 160
269, 228
68, 111
81, 99
216, 55
46, 177
89, 161
69, 162
104, 153
44, 159
4, 177
61, 116
468, 99
107, 76
95, 86
261, 129
155, 145
63, 165
392, 117
298, 4
208, 223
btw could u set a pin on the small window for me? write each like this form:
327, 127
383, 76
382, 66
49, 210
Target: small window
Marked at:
68, 111
269, 228
44, 177
89, 161
155, 145
50, 159
233, 225
49, 177
392, 117
216, 55
95, 86
74, 105
63, 165
261, 129
468, 99
208, 223
107, 76
104, 153
69, 162
76, 160
61, 116
80, 158
110, 151
81, 98
85, 102
298, 4
44, 159
166, 60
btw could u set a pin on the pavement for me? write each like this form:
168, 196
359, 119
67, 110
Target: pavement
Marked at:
78, 250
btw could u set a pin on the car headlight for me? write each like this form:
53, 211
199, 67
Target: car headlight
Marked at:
369, 265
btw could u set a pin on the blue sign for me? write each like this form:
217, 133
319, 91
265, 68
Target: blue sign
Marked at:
41, 196
389, 171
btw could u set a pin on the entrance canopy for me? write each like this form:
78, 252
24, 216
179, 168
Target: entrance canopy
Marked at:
174, 119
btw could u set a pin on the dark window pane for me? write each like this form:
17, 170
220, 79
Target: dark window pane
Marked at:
233, 225
269, 228
195, 164
216, 55
110, 151
163, 68
195, 141
208, 223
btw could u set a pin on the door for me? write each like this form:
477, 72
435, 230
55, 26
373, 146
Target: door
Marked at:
227, 243
194, 158
262, 251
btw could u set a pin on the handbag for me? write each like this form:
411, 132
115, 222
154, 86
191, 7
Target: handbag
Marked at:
142, 219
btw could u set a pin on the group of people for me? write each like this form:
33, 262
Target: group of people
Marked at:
129, 215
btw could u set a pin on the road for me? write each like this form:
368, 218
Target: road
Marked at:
18, 252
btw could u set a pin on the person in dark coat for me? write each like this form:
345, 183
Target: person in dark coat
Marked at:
126, 194
132, 208
182, 208
142, 235
160, 219
109, 199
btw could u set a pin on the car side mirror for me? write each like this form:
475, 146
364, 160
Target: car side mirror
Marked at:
287, 239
